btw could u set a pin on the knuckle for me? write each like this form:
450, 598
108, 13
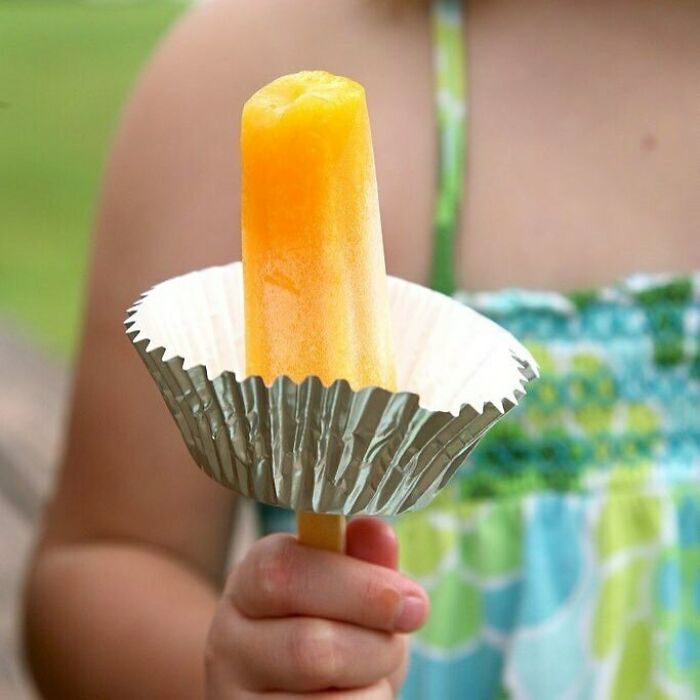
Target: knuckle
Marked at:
274, 570
235, 589
232, 580
315, 652
263, 580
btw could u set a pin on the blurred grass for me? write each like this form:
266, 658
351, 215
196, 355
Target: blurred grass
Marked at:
65, 70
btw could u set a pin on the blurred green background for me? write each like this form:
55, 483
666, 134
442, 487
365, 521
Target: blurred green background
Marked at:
66, 68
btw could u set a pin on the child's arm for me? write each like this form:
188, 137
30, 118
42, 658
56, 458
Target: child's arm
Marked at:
135, 540
116, 621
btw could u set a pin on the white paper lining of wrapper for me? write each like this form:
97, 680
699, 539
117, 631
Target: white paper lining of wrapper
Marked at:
446, 354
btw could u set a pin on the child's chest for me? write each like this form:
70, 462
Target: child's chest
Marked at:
583, 145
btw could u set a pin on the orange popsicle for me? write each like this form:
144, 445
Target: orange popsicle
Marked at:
316, 298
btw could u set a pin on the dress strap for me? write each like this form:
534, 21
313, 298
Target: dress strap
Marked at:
450, 79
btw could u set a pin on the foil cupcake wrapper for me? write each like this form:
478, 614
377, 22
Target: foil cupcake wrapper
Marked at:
328, 449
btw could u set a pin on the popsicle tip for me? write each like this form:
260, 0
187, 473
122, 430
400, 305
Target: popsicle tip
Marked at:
296, 89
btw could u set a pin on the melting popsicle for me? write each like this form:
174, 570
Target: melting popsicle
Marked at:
314, 277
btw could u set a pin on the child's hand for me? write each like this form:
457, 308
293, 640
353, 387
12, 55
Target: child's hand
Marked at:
295, 620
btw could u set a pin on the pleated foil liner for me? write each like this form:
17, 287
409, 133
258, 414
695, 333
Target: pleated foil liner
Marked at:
328, 449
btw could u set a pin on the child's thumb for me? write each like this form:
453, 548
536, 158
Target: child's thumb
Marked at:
372, 540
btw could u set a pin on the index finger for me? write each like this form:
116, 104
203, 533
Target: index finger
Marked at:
281, 577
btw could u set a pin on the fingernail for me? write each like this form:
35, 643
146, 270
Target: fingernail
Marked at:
411, 614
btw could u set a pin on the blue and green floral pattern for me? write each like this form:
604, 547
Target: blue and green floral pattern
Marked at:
563, 560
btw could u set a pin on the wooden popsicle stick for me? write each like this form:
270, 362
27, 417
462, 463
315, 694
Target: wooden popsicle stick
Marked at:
322, 531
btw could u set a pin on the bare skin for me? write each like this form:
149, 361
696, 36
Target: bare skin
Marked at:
582, 168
